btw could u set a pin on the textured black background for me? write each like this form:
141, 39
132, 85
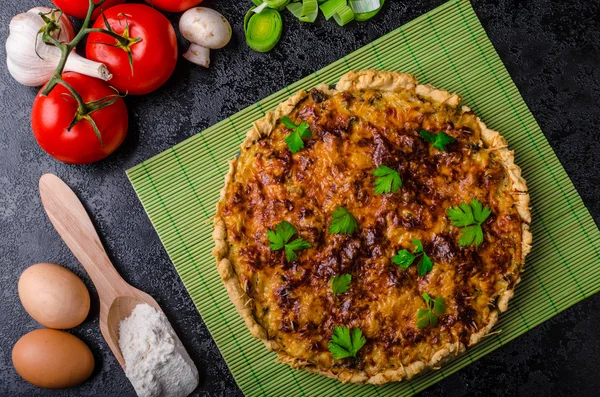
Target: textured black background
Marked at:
551, 48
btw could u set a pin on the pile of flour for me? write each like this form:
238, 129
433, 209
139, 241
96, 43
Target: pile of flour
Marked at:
156, 362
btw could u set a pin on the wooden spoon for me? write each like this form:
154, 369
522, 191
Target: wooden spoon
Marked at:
71, 221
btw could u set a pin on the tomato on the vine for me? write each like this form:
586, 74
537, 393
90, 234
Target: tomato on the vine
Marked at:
173, 5
79, 8
66, 134
145, 55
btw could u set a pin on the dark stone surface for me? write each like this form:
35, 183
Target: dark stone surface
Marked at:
551, 49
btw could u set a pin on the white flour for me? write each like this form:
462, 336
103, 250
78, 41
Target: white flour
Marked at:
155, 360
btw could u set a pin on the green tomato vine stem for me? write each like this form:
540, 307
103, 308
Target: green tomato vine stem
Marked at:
83, 109
66, 48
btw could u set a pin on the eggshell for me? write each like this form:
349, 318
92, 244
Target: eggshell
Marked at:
54, 296
52, 359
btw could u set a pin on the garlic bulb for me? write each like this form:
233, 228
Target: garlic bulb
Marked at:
32, 62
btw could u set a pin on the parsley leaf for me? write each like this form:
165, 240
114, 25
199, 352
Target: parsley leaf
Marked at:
479, 212
424, 266
470, 235
429, 316
470, 217
340, 283
441, 140
280, 238
343, 222
345, 344
438, 141
422, 318
439, 305
294, 140
296, 245
404, 259
419, 245
426, 298
427, 136
388, 180
282, 234
288, 122
461, 215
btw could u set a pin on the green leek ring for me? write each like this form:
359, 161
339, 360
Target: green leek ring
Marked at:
263, 30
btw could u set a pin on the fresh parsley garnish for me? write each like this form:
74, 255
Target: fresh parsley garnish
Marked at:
469, 217
340, 283
388, 180
294, 140
343, 222
429, 316
438, 141
404, 259
345, 344
280, 238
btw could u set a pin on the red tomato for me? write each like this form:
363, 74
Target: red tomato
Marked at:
154, 55
52, 115
173, 5
79, 8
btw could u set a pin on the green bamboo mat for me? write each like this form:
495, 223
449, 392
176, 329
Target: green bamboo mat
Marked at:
448, 48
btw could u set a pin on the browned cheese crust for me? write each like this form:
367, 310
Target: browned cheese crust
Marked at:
372, 118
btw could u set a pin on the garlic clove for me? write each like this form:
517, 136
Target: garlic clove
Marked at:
198, 55
28, 77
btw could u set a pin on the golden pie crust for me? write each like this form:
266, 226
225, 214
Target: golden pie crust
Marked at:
371, 118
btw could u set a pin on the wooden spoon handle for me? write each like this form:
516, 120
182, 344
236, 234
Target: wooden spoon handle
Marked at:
73, 224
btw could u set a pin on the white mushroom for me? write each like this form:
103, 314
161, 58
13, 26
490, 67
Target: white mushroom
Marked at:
206, 29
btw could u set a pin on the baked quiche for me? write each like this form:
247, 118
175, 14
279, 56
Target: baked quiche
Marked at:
372, 230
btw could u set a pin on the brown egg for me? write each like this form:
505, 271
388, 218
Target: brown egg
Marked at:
52, 359
54, 296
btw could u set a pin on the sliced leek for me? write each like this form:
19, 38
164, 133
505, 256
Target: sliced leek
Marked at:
263, 24
344, 15
332, 7
309, 7
247, 16
263, 30
364, 6
258, 10
307, 11
361, 17
277, 4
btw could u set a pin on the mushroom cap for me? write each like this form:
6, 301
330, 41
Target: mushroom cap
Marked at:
205, 27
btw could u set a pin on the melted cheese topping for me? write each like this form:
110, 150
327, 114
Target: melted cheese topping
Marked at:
354, 132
